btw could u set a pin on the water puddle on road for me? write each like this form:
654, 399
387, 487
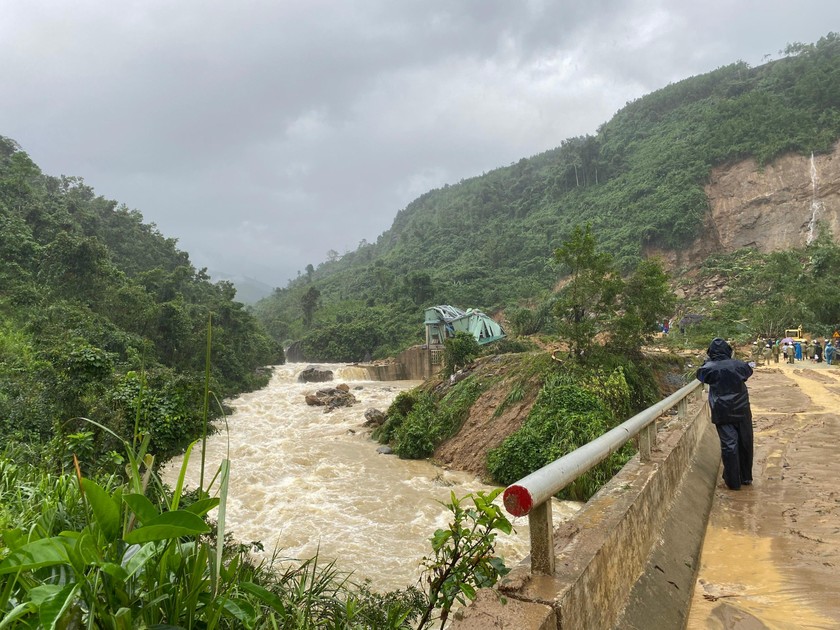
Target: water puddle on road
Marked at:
741, 589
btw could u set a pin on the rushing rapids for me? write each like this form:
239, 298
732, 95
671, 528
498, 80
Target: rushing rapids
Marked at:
306, 482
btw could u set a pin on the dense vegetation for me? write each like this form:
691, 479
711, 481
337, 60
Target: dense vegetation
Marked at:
103, 317
763, 294
487, 242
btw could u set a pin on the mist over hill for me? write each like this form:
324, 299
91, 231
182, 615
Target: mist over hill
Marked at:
640, 182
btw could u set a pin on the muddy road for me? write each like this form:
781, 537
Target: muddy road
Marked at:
771, 556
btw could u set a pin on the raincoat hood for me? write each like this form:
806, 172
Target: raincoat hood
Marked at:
719, 350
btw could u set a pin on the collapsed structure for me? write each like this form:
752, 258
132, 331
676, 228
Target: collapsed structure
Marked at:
442, 322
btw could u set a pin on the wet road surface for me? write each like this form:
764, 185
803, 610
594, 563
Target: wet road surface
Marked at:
771, 556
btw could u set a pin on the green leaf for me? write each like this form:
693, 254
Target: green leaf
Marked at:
220, 524
139, 558
142, 507
265, 596
179, 485
241, 610
40, 594
53, 607
18, 612
14, 538
503, 525
40, 553
440, 538
167, 526
105, 509
203, 506
467, 590
116, 571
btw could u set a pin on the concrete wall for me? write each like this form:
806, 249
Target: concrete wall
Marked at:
413, 364
604, 551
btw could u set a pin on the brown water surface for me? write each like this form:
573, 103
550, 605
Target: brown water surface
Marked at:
304, 481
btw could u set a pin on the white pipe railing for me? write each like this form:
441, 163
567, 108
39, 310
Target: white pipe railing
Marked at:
532, 494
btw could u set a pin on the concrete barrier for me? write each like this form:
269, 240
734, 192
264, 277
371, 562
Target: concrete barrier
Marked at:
415, 363
605, 555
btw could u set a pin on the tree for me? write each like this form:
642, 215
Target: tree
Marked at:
587, 301
418, 285
309, 304
645, 300
459, 351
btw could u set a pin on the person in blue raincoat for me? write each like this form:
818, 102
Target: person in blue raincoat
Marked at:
798, 348
829, 352
729, 402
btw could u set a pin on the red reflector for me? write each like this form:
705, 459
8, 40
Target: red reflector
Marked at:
517, 500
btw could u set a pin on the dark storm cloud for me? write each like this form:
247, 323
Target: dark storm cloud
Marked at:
263, 134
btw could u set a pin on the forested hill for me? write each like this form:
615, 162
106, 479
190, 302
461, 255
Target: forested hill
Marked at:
103, 317
487, 242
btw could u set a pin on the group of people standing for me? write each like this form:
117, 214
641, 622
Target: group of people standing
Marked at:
765, 350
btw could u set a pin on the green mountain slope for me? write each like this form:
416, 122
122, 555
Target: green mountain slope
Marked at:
103, 317
486, 242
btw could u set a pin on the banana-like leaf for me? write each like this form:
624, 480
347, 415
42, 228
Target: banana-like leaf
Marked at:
203, 506
52, 608
142, 507
105, 509
40, 553
167, 526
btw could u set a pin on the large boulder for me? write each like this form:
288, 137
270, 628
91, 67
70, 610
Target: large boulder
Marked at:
374, 418
331, 398
314, 374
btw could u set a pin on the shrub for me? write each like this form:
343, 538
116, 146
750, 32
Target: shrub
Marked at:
459, 351
565, 416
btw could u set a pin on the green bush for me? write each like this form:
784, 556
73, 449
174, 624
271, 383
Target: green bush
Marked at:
429, 422
417, 436
395, 416
564, 417
459, 351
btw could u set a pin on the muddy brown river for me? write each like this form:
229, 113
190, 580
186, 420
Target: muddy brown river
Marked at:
306, 482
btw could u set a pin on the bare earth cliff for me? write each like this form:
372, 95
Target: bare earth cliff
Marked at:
773, 208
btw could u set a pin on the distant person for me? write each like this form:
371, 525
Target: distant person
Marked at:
797, 347
818, 351
777, 350
829, 352
729, 401
756, 353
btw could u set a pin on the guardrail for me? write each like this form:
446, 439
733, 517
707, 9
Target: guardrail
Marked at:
532, 494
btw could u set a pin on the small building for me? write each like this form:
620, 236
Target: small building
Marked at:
444, 321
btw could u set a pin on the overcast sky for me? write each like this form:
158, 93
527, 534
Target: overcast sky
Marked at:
263, 134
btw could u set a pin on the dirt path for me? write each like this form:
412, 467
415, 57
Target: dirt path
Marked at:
771, 557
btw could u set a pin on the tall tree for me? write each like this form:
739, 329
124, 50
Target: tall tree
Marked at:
587, 300
309, 304
646, 300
